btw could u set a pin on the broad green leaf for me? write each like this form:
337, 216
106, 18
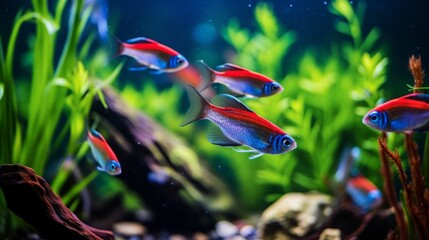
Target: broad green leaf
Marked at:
50, 25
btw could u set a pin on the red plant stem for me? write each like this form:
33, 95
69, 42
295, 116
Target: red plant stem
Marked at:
389, 190
418, 187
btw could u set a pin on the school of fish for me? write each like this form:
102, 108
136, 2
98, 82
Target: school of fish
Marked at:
235, 125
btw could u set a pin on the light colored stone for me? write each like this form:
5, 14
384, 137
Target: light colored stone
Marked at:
330, 234
294, 215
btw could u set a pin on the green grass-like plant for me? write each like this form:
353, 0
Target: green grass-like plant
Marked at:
53, 125
323, 102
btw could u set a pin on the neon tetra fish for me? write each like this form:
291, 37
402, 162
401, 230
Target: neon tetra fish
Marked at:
363, 192
240, 80
103, 154
404, 114
152, 55
238, 125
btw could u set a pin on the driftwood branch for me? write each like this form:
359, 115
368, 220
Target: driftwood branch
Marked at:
30, 197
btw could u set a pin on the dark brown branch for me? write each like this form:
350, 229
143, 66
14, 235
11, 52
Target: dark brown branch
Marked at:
389, 189
30, 197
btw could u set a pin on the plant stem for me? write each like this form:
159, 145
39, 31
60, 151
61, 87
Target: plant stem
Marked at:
418, 188
425, 162
389, 189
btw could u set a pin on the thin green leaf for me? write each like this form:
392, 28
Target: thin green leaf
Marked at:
1, 90
76, 189
112, 76
102, 99
74, 204
62, 82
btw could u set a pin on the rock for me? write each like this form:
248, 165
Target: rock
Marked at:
200, 236
225, 229
352, 224
330, 234
294, 215
248, 231
30, 197
129, 230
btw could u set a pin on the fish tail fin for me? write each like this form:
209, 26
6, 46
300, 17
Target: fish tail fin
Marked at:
198, 106
118, 46
207, 74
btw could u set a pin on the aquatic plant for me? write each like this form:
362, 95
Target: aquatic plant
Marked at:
59, 96
322, 104
321, 107
412, 218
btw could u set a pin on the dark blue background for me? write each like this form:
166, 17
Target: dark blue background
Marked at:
404, 25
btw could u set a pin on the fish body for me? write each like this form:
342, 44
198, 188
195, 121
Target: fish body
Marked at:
240, 80
152, 55
363, 192
237, 125
404, 114
103, 154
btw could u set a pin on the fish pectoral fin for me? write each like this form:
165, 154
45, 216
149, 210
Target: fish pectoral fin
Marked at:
256, 155
216, 136
157, 72
135, 69
100, 169
245, 150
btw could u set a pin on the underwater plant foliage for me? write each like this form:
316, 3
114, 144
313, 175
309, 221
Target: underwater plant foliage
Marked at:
323, 103
43, 111
321, 107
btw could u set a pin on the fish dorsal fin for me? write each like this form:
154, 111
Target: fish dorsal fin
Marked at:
229, 67
140, 40
216, 136
423, 97
225, 100
96, 134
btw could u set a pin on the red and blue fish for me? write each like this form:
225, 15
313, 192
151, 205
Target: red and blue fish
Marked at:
151, 55
240, 80
363, 192
237, 125
404, 114
103, 154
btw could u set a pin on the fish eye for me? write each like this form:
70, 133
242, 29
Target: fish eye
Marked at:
275, 87
374, 117
180, 60
286, 142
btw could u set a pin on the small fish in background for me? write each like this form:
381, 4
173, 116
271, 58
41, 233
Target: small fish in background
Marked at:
160, 177
363, 192
403, 114
157, 173
103, 154
239, 80
98, 17
237, 125
151, 55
